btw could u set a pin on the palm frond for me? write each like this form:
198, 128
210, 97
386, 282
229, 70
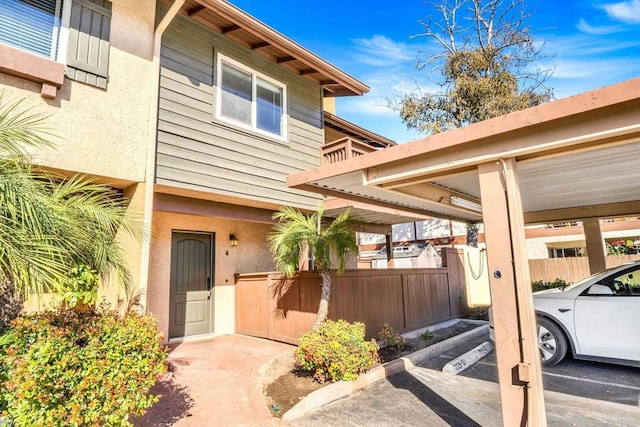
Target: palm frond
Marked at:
50, 224
296, 232
21, 129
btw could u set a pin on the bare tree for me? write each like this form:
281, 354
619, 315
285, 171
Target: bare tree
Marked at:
488, 62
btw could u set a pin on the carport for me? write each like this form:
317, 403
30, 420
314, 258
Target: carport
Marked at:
577, 158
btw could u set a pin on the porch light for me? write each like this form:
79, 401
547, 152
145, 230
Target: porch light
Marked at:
466, 204
233, 240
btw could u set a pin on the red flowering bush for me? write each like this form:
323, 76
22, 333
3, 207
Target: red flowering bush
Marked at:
393, 339
70, 368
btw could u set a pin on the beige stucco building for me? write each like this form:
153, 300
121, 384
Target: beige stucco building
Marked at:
197, 112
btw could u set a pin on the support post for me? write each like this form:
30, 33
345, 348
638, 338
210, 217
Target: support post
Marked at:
596, 250
389, 242
519, 369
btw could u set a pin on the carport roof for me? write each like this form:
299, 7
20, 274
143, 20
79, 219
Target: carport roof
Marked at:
577, 157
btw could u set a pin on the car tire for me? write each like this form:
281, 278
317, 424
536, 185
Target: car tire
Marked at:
551, 342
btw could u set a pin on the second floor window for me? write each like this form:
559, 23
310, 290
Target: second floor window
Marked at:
31, 25
249, 99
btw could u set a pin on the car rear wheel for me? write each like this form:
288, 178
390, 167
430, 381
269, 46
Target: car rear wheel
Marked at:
551, 342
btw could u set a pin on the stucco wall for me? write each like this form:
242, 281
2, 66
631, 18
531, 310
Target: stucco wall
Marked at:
251, 255
100, 132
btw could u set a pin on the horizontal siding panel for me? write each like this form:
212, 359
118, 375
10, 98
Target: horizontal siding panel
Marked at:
188, 107
197, 151
199, 50
212, 133
203, 77
221, 157
173, 90
174, 177
205, 68
220, 169
204, 91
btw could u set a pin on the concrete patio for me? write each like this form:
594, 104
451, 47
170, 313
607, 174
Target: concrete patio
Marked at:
215, 382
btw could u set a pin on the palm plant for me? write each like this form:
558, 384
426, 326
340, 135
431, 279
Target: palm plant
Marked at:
49, 225
296, 233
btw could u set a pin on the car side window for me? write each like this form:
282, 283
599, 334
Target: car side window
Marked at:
626, 283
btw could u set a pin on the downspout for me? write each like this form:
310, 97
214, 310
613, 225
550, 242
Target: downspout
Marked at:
150, 165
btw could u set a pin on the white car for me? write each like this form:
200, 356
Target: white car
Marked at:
597, 318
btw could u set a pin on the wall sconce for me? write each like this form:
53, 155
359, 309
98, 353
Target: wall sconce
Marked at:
233, 240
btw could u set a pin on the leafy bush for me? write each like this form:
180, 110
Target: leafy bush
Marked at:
70, 368
393, 339
82, 287
336, 351
539, 285
10, 304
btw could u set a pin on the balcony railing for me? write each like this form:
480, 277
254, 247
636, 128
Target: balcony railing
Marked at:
343, 149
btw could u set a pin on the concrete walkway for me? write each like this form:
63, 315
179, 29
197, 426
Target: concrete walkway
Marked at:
215, 382
218, 382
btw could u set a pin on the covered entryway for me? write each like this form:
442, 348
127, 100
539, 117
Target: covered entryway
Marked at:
572, 159
190, 310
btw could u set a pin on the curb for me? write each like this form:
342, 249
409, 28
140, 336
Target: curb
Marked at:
342, 389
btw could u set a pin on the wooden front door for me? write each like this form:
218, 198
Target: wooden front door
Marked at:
190, 310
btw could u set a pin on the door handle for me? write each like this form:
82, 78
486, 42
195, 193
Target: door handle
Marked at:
209, 287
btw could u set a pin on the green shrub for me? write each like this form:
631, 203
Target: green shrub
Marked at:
69, 368
539, 285
336, 351
82, 287
426, 335
393, 339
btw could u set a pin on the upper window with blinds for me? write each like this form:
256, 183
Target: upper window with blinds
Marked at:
73, 32
250, 100
31, 25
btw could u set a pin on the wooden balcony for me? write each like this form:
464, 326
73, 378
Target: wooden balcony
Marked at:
343, 149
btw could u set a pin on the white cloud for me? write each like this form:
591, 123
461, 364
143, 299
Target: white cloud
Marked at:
597, 30
381, 51
625, 11
585, 45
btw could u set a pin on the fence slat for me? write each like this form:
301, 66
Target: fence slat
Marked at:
570, 269
270, 307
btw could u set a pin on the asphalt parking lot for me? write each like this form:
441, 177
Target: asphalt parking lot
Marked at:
577, 393
599, 381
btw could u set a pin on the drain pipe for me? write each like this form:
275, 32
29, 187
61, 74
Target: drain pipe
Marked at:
150, 166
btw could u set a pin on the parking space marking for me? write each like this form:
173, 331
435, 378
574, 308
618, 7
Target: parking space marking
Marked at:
587, 380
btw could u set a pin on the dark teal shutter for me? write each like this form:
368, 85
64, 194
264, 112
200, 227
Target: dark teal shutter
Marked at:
88, 45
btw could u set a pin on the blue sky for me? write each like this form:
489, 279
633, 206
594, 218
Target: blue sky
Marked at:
595, 43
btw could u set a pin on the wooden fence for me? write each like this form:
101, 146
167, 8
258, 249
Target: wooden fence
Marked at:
570, 269
269, 306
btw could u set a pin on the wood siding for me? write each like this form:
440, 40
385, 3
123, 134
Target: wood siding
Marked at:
269, 306
196, 151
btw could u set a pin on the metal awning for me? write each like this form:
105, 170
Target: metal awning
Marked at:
577, 157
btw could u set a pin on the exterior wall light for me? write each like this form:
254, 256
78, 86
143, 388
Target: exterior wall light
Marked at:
233, 240
466, 204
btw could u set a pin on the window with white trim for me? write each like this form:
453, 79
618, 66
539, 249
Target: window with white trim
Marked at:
72, 32
31, 25
249, 99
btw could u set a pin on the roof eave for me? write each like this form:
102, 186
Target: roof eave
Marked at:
339, 83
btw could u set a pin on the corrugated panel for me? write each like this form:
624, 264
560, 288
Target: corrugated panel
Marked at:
590, 178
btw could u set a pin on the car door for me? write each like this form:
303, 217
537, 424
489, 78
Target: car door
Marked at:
606, 324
